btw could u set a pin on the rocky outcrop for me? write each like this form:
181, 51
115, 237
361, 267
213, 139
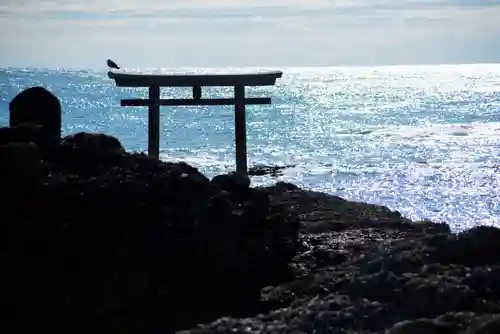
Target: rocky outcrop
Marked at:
97, 239
94, 143
259, 170
365, 269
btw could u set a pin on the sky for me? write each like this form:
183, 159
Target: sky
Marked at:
222, 33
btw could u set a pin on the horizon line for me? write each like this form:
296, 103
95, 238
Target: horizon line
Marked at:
244, 67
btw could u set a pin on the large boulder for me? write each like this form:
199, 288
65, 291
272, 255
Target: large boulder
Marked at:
94, 143
232, 182
85, 154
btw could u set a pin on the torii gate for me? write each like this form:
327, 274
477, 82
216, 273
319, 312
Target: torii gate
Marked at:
196, 81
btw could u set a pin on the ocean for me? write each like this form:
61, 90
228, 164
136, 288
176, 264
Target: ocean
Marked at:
423, 140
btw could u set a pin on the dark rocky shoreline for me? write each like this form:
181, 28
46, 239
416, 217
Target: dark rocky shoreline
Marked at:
364, 269
98, 240
100, 236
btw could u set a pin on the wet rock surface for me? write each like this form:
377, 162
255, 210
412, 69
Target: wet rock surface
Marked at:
365, 269
260, 169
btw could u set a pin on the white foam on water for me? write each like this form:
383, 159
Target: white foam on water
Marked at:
442, 131
199, 159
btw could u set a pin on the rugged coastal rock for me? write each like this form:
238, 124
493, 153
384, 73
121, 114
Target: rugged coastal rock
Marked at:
365, 269
98, 240
275, 170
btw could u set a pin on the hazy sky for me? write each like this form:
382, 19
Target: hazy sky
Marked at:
214, 33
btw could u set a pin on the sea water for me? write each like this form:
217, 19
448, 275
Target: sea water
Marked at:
424, 140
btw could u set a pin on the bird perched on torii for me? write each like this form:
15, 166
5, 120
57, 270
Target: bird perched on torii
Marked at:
112, 64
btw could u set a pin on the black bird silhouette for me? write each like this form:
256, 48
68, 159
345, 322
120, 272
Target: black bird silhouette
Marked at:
112, 64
